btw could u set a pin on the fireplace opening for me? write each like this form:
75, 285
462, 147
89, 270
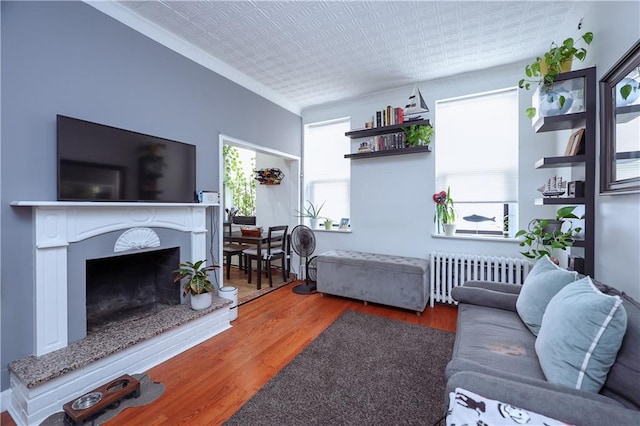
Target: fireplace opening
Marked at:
130, 286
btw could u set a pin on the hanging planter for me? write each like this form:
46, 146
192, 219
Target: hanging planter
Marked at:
269, 176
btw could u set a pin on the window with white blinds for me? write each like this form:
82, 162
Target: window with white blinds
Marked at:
477, 155
327, 174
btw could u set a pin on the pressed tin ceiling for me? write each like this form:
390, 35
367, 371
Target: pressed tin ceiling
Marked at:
304, 53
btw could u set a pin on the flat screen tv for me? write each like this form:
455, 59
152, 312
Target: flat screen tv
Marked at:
103, 163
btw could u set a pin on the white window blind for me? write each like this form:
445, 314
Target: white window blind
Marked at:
327, 174
477, 147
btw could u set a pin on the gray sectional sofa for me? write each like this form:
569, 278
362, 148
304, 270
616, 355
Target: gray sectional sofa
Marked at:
495, 356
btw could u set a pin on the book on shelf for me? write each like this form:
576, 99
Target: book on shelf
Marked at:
389, 116
390, 141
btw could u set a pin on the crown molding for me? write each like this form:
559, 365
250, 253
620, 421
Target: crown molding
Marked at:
127, 17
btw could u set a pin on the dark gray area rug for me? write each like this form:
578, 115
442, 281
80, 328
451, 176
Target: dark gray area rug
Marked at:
149, 392
362, 370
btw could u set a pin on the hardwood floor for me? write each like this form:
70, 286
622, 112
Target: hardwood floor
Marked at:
208, 383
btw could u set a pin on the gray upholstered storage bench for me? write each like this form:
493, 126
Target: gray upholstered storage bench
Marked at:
397, 281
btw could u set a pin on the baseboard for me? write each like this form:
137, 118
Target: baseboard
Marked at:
5, 400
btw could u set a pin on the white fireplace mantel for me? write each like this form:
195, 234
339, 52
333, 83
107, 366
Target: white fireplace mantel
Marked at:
56, 224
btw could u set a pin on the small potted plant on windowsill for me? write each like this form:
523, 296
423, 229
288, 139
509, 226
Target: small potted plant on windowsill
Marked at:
544, 235
543, 71
312, 212
197, 283
445, 212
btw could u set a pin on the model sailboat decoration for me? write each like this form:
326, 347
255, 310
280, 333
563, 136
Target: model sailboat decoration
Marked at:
416, 104
554, 187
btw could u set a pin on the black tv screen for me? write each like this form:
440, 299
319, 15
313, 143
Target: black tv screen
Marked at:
103, 163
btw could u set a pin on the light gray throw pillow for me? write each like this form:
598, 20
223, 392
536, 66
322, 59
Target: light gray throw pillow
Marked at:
581, 333
543, 282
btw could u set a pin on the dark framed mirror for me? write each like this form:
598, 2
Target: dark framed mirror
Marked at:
620, 125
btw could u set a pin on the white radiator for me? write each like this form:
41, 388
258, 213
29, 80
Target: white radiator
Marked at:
449, 270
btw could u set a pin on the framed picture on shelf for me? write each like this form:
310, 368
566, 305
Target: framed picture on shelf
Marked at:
575, 143
344, 223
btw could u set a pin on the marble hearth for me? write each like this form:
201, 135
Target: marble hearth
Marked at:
60, 370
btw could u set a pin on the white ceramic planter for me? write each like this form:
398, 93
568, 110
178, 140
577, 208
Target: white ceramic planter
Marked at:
201, 301
449, 229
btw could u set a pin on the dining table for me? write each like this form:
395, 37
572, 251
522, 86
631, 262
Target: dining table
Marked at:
257, 240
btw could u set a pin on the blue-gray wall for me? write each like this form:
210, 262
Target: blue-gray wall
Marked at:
68, 58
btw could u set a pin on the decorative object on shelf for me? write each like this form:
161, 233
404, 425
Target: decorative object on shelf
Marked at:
554, 102
627, 91
445, 212
416, 104
563, 97
344, 223
575, 189
554, 187
575, 146
197, 284
311, 212
556, 60
365, 147
269, 176
576, 263
417, 135
328, 223
544, 235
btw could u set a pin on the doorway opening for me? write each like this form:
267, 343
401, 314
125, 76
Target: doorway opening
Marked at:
271, 204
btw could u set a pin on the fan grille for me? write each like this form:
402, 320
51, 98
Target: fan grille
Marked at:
303, 240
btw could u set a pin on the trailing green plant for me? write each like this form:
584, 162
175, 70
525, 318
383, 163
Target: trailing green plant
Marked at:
311, 211
445, 211
625, 91
417, 135
241, 186
540, 239
628, 88
198, 281
544, 70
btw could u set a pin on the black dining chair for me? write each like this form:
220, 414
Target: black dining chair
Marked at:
275, 249
232, 249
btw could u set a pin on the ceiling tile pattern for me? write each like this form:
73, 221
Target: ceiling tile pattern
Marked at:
313, 52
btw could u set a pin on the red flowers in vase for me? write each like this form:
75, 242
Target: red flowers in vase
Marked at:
445, 213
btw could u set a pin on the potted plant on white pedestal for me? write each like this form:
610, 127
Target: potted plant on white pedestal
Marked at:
197, 283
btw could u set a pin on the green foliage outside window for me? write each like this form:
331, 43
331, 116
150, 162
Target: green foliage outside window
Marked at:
242, 187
